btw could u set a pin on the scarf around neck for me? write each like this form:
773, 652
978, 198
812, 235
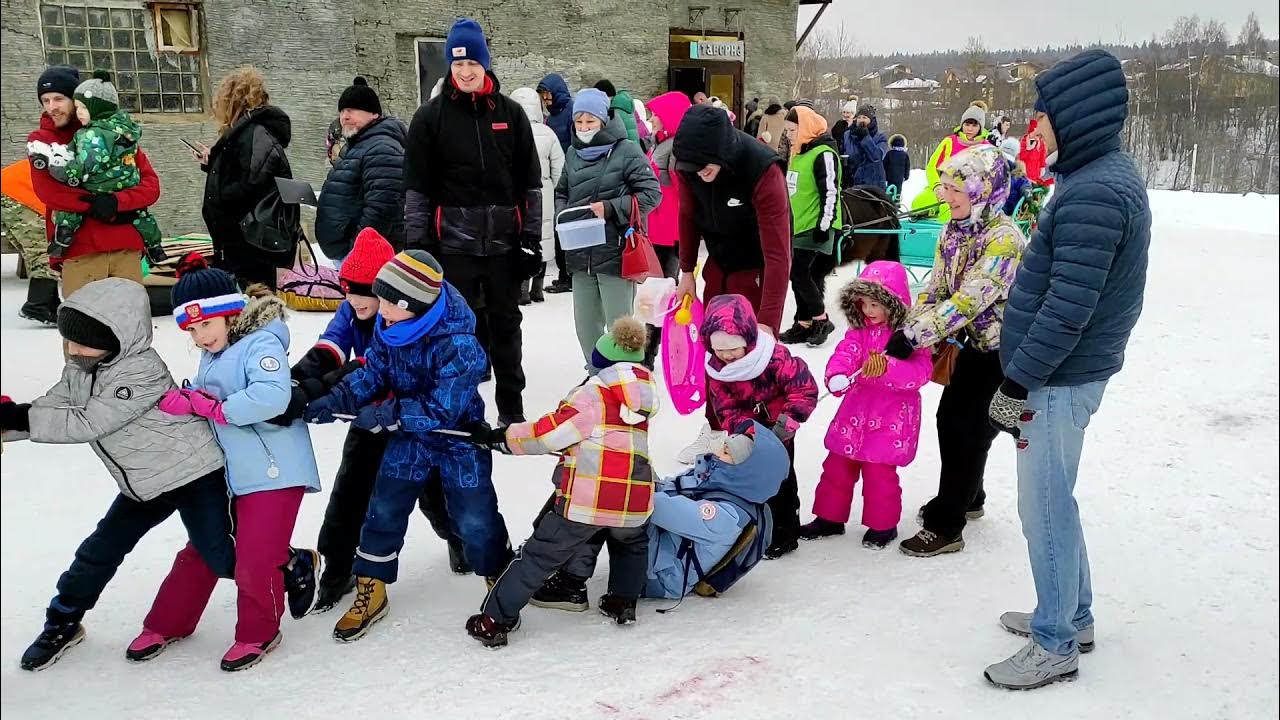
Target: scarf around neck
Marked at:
749, 366
410, 331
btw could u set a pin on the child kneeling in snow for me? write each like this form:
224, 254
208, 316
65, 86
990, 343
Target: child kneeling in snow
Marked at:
242, 382
700, 515
425, 354
107, 398
877, 428
752, 376
603, 480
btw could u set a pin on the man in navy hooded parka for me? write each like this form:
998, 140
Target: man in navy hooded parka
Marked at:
1076, 298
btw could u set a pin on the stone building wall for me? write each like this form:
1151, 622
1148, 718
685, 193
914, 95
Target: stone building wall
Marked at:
310, 50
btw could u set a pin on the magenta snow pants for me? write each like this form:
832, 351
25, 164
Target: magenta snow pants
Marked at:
881, 494
264, 528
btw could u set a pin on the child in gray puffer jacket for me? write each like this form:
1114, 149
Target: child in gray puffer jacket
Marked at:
162, 463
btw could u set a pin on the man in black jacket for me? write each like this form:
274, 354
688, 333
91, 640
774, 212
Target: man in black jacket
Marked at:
365, 188
473, 199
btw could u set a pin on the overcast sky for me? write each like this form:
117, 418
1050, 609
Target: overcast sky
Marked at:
924, 25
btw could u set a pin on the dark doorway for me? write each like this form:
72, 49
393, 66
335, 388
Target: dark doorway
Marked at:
431, 65
689, 80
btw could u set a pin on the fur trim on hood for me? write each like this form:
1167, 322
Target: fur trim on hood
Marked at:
260, 312
884, 282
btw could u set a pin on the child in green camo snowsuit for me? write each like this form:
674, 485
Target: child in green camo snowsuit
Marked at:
103, 160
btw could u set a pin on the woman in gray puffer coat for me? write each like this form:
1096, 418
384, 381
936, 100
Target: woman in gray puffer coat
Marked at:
602, 173
107, 399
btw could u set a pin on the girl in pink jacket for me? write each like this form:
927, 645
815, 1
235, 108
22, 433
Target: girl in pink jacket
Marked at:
877, 427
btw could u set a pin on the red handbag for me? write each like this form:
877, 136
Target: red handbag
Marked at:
639, 261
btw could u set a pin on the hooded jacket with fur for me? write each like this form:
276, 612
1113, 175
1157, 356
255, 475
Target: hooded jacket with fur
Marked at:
113, 408
251, 378
879, 418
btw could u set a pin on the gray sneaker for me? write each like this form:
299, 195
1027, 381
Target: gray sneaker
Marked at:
1019, 623
1033, 667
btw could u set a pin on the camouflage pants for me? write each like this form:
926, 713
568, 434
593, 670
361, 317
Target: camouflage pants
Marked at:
25, 230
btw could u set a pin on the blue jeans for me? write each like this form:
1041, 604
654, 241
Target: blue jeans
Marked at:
1048, 462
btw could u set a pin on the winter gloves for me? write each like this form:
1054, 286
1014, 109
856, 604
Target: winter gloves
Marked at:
875, 365
837, 384
494, 439
102, 206
898, 346
379, 417
188, 401
1007, 408
859, 130
13, 416
785, 428
308, 389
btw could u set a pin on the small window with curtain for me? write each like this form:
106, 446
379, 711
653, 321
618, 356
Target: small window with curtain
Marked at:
153, 51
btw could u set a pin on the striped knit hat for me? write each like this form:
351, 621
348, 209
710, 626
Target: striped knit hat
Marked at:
411, 281
203, 292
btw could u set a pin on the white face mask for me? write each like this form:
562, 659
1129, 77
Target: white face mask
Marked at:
1051, 159
587, 135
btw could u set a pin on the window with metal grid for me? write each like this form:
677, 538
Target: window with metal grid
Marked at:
152, 51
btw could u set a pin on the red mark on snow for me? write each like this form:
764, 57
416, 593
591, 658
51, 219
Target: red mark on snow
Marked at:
712, 683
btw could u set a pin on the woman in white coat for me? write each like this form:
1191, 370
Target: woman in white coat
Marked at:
552, 157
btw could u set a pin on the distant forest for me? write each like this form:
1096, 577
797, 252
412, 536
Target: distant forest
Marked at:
1204, 110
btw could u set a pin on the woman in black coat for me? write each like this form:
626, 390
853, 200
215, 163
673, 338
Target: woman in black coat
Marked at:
242, 167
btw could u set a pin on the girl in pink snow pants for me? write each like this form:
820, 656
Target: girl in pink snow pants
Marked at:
242, 386
877, 428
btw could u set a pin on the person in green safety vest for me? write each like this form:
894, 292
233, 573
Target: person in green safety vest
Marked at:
813, 180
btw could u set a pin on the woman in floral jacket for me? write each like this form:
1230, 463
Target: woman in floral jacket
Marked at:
978, 255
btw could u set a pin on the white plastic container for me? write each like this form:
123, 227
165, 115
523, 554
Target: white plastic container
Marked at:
579, 234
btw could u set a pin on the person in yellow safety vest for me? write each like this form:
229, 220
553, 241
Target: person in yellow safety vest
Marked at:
970, 132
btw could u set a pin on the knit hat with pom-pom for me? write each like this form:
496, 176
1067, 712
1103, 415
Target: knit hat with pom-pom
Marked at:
203, 292
625, 342
359, 96
360, 268
98, 95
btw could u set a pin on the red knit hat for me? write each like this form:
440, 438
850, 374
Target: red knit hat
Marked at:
370, 252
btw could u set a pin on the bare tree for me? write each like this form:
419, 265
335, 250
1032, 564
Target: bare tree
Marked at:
1251, 40
976, 57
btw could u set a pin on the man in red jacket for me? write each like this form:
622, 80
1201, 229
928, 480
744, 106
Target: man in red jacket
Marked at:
107, 245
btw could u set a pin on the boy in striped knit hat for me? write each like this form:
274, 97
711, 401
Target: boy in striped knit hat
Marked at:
425, 355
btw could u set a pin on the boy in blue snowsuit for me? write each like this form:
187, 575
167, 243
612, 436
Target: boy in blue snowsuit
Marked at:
340, 350
709, 505
425, 355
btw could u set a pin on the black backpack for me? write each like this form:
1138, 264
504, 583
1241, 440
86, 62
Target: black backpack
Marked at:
275, 227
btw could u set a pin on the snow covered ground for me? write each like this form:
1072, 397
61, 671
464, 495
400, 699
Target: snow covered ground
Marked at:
1178, 495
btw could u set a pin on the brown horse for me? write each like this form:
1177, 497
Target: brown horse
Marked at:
867, 207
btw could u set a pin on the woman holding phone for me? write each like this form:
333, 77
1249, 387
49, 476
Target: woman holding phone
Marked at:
242, 167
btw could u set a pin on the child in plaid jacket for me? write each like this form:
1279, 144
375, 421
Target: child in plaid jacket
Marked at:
603, 480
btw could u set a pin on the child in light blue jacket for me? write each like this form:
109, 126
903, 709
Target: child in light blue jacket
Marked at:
243, 382
709, 506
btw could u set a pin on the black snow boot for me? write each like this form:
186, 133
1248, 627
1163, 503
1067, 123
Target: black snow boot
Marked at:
61, 632
331, 591
42, 302
458, 558
490, 632
535, 290
879, 539
780, 547
820, 331
622, 610
301, 576
561, 285
796, 334
820, 528
525, 298
562, 591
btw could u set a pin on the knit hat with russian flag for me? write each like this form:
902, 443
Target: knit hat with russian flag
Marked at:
411, 281
203, 292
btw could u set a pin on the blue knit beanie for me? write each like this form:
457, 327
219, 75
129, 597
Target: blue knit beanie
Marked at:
466, 42
592, 102
203, 292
